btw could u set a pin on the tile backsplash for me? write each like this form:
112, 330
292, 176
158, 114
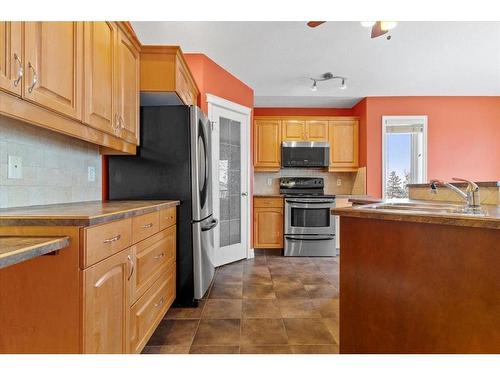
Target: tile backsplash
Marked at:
260, 181
54, 166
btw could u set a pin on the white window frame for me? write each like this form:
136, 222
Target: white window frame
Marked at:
404, 120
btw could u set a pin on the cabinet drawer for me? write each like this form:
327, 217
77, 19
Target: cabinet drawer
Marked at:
102, 241
150, 256
144, 226
168, 217
267, 202
147, 312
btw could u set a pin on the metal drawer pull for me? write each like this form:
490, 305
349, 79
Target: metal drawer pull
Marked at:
35, 78
159, 256
162, 299
20, 71
132, 266
113, 239
145, 226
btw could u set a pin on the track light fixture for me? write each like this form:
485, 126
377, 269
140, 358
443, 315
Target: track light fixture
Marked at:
326, 77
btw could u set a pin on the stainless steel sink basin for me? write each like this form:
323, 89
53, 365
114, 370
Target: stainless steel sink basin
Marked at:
427, 208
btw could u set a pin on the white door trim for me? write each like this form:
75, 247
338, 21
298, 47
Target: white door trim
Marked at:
212, 101
224, 103
404, 120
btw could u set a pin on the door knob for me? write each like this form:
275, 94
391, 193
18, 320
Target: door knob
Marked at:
244, 194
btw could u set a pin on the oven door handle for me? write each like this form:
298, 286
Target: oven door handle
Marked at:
319, 238
308, 205
315, 201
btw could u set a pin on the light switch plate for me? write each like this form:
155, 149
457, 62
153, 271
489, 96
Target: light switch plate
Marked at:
15, 168
91, 174
339, 182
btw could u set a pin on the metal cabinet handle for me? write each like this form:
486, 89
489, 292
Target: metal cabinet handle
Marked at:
113, 239
132, 266
35, 78
160, 302
149, 225
159, 256
20, 70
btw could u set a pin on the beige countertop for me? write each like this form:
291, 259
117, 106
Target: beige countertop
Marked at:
490, 220
14, 249
462, 184
80, 213
268, 195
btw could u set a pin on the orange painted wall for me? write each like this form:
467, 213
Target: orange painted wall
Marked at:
463, 135
211, 78
265, 111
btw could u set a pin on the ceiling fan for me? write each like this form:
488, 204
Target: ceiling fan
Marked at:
379, 28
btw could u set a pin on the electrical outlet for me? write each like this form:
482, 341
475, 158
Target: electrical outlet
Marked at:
269, 181
15, 167
91, 174
339, 182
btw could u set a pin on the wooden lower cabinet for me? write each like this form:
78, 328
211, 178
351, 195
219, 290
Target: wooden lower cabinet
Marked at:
102, 294
148, 311
268, 223
106, 294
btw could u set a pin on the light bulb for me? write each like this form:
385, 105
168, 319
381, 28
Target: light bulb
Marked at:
314, 86
343, 86
388, 25
367, 23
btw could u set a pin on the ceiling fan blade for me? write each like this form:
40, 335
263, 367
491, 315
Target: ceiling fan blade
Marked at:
377, 30
315, 23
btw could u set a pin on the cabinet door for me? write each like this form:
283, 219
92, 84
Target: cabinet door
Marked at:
317, 130
294, 130
53, 54
11, 68
267, 145
99, 46
106, 290
128, 89
343, 138
268, 227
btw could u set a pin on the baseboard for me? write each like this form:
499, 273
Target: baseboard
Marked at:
251, 254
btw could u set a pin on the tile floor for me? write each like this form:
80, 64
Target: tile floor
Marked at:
269, 304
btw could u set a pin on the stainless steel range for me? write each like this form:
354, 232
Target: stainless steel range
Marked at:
309, 224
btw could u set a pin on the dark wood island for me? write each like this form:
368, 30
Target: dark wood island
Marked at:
419, 283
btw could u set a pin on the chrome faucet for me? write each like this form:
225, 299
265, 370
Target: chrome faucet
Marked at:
471, 195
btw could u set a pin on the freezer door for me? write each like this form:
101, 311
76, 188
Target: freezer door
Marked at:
203, 255
201, 168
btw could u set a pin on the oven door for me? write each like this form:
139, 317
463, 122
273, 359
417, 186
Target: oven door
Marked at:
309, 216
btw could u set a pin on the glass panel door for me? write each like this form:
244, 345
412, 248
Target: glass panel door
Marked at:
230, 182
230, 156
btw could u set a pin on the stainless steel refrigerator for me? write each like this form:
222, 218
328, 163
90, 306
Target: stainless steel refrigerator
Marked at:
173, 162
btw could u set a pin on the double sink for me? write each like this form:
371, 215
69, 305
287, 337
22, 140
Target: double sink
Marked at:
427, 208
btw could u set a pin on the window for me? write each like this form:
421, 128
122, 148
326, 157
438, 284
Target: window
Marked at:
404, 154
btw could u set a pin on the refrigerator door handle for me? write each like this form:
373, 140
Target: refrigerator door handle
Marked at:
213, 223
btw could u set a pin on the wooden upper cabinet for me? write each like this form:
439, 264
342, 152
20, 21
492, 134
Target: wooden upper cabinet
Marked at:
11, 58
164, 71
343, 138
305, 130
100, 40
53, 58
267, 145
106, 294
294, 130
128, 89
317, 130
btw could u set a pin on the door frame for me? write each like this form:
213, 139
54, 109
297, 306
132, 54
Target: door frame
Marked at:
404, 120
213, 100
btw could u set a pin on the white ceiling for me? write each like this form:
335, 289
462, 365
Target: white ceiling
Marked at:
277, 58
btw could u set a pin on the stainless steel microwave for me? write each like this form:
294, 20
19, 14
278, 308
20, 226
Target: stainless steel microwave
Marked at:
305, 154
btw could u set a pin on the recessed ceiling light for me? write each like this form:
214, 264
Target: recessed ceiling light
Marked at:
367, 23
